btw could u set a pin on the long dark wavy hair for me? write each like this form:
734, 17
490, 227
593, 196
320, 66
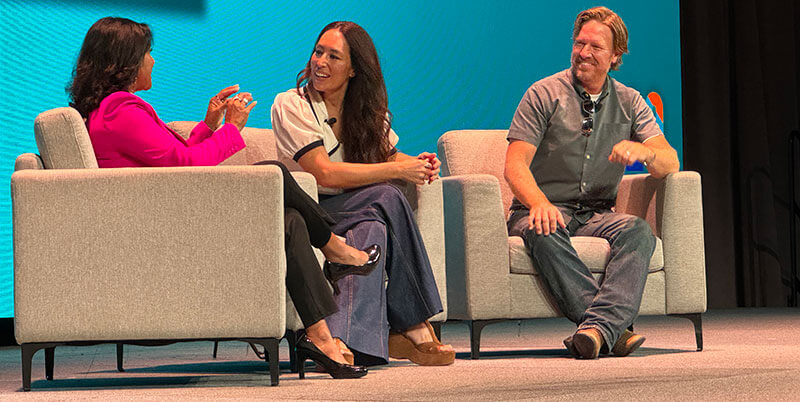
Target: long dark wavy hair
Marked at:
109, 61
365, 119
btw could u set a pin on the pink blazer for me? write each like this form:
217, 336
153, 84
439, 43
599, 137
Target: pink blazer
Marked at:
126, 132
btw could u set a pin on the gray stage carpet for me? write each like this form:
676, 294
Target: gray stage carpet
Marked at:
750, 354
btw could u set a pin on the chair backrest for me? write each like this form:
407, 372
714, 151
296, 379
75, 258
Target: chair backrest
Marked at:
260, 143
476, 152
63, 140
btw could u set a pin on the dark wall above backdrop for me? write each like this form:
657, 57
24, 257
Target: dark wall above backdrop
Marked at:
741, 80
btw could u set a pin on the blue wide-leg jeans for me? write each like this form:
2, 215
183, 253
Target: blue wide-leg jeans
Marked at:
368, 305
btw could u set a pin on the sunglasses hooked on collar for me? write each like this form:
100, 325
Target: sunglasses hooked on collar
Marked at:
588, 107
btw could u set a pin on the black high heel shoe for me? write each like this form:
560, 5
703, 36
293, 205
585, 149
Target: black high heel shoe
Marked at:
335, 271
307, 350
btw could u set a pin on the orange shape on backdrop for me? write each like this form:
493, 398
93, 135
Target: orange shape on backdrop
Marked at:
655, 99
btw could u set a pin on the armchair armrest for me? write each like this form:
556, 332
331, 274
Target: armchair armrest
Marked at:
148, 253
307, 182
477, 247
427, 203
28, 161
674, 208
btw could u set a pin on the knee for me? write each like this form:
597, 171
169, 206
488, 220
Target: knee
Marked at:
539, 243
274, 163
390, 193
637, 229
293, 221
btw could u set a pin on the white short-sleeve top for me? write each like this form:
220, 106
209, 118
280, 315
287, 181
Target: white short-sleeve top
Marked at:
300, 125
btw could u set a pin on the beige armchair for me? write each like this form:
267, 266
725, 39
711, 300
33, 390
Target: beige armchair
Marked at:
490, 276
145, 255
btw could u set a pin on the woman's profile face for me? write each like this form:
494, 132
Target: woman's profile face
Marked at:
330, 63
144, 78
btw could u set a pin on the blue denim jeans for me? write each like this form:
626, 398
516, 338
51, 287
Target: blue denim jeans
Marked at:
611, 305
368, 305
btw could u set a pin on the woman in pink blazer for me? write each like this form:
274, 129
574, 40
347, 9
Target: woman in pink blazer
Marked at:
113, 64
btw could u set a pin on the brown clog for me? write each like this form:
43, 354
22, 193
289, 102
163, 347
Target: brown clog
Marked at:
424, 354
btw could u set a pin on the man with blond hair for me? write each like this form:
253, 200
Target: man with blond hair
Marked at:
569, 142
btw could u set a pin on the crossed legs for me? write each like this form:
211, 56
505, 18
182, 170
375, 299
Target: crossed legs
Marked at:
610, 306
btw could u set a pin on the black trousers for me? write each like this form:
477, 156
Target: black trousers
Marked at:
306, 224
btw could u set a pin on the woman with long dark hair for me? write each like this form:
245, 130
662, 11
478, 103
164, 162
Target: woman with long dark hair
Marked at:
115, 62
336, 125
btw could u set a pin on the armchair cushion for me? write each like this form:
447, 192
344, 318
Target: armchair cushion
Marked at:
595, 252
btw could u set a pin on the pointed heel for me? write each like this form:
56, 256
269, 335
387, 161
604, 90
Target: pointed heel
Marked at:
335, 271
301, 363
307, 350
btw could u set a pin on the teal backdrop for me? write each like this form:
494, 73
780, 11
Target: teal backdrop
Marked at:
448, 64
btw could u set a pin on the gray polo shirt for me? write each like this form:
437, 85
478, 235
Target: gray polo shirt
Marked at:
571, 169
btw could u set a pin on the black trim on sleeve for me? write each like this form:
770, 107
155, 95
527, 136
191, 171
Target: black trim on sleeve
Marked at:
332, 151
306, 148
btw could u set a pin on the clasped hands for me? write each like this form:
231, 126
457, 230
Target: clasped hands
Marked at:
233, 110
422, 169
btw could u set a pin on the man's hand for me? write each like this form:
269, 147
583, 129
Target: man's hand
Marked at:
545, 218
627, 152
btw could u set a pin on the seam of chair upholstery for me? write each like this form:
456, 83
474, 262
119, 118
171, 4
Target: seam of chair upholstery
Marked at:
38, 124
77, 145
447, 156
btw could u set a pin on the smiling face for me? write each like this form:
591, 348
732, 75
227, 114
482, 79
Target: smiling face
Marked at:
331, 68
593, 55
144, 79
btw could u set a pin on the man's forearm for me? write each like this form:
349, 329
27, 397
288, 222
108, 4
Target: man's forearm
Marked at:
664, 162
524, 186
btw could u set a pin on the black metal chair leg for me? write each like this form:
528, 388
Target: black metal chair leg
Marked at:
28, 350
27, 357
49, 357
437, 330
475, 328
216, 346
271, 348
697, 320
291, 339
120, 354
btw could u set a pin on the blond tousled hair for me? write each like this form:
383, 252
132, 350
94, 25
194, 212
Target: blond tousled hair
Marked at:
610, 19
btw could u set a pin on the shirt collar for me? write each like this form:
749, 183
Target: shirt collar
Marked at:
582, 92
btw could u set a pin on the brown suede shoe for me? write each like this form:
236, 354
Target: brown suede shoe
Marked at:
627, 343
587, 343
571, 347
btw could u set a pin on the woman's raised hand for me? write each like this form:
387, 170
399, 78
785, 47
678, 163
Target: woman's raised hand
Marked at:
433, 172
238, 109
216, 107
